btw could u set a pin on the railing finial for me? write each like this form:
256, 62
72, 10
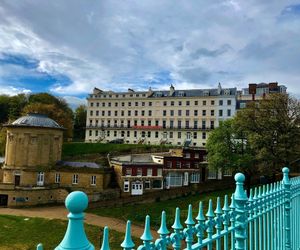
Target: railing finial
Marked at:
75, 237
128, 243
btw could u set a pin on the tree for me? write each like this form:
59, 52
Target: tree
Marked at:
4, 108
228, 149
55, 108
79, 122
272, 127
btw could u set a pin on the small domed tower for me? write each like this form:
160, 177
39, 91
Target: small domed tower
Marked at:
34, 142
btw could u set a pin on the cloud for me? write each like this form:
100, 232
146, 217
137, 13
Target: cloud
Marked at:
68, 49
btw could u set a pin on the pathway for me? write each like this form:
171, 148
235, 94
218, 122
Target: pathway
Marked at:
60, 212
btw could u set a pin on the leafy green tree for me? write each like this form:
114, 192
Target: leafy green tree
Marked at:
80, 122
16, 105
272, 127
4, 108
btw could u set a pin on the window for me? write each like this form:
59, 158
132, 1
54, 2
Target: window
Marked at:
129, 104
139, 172
57, 177
75, 179
157, 184
90, 132
212, 102
143, 103
171, 135
187, 124
103, 112
93, 180
159, 172
97, 113
227, 172
204, 103
203, 124
179, 103
91, 113
97, 104
174, 179
203, 135
92, 104
129, 112
172, 103
136, 104
203, 112
228, 102
128, 172
136, 112
165, 103
179, 112
96, 133
179, 135
116, 104
195, 135
178, 164
212, 124
40, 178
126, 186
187, 155
156, 134
171, 123
147, 185
149, 171
128, 133
195, 112
228, 112
171, 112
150, 112
220, 102
103, 104
212, 174
164, 112
156, 123
196, 102
212, 112
109, 113
187, 165
169, 164
195, 124
179, 123
187, 103
150, 103
143, 112
123, 104
220, 112
109, 104
195, 178
164, 124
196, 155
116, 113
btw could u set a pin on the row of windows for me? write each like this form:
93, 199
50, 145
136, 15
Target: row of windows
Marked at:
165, 103
179, 164
149, 113
170, 124
139, 172
57, 178
155, 184
148, 134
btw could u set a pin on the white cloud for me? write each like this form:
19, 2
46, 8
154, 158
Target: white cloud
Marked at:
120, 44
10, 90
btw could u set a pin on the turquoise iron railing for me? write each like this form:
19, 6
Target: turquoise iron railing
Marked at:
269, 219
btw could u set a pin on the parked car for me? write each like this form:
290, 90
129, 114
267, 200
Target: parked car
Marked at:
117, 141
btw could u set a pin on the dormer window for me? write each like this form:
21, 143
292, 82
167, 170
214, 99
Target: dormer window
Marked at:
181, 93
226, 91
206, 93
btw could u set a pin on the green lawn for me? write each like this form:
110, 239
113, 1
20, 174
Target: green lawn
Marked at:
18, 233
137, 212
77, 148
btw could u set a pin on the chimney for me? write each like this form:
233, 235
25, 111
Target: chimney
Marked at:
172, 90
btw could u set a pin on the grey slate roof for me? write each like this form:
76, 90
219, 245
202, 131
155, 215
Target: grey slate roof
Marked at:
74, 164
36, 120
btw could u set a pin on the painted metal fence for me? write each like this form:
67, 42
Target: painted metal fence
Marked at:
268, 219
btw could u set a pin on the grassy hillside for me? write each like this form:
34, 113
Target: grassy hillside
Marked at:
20, 233
77, 148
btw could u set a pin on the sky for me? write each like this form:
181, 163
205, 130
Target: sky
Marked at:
68, 47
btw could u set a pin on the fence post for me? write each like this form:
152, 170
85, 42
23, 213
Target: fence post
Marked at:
287, 207
240, 198
75, 237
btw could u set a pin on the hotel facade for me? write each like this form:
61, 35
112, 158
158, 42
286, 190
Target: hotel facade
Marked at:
176, 117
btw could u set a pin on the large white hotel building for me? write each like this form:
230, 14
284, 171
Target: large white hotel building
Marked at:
177, 117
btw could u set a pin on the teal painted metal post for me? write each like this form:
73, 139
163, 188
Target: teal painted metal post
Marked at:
105, 240
189, 230
39, 247
147, 236
210, 223
240, 209
287, 207
177, 236
163, 231
128, 244
75, 237
226, 220
219, 223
